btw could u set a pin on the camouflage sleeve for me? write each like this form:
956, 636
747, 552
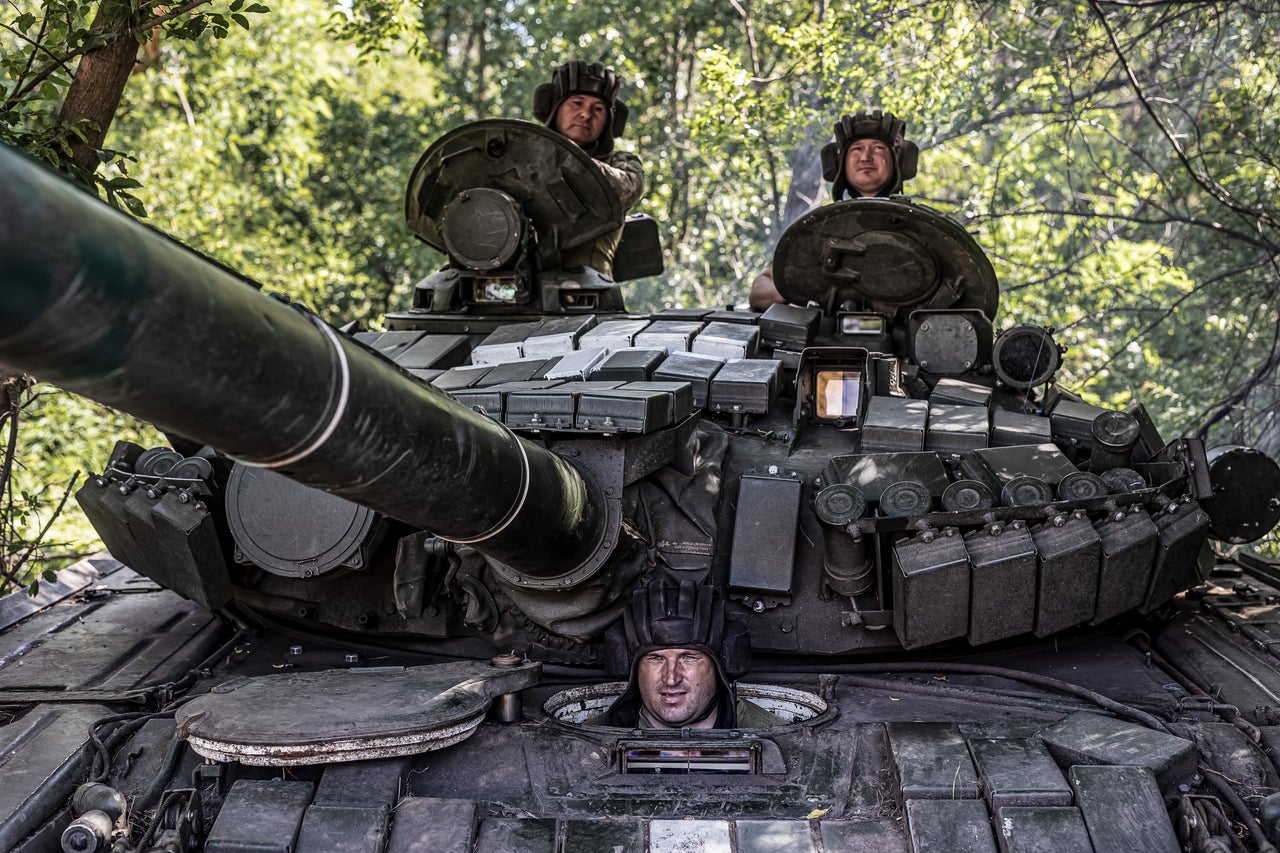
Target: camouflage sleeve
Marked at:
625, 174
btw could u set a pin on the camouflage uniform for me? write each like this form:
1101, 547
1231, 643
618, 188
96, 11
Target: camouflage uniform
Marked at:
623, 172
625, 176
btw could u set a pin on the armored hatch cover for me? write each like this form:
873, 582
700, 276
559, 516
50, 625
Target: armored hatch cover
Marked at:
561, 191
347, 715
890, 251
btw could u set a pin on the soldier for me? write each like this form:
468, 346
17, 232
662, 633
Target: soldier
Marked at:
870, 158
682, 656
581, 102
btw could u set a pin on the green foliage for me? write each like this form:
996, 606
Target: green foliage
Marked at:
40, 45
1126, 199
59, 437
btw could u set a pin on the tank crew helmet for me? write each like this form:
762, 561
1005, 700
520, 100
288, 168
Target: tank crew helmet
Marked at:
579, 78
669, 615
885, 127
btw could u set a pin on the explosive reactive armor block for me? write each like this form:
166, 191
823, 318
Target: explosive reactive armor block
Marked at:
624, 410
957, 392
1067, 592
956, 429
680, 395
872, 473
1129, 541
746, 385
434, 352
727, 340
1003, 597
613, 334
789, 327
669, 335
1009, 429
629, 365
697, 370
505, 343
558, 336
894, 424
930, 588
552, 408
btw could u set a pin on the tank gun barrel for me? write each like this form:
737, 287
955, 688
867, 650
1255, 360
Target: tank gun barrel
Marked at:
98, 304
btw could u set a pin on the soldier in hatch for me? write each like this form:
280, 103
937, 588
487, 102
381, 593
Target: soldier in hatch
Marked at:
870, 158
682, 654
581, 102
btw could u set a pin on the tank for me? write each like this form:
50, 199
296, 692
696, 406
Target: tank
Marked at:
359, 600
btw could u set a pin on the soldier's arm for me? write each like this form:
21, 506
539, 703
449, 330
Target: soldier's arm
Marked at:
625, 174
763, 291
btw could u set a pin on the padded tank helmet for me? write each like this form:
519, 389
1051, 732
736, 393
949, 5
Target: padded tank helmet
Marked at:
666, 615
579, 78
885, 127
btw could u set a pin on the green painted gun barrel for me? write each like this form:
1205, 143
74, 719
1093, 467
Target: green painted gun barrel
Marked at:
96, 303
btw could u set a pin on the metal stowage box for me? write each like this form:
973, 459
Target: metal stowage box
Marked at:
930, 588
764, 534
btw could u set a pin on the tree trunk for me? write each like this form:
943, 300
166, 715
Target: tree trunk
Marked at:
99, 82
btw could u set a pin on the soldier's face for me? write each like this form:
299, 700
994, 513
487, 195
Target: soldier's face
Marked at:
676, 687
868, 166
582, 118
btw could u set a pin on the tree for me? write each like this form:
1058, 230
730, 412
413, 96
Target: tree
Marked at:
1126, 200
62, 117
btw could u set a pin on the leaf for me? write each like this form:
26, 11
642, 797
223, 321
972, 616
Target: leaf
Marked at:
133, 205
241, 20
815, 814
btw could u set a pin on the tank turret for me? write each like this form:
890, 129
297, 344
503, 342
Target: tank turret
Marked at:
863, 469
886, 494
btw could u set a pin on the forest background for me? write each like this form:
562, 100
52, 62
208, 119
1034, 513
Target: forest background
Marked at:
1118, 161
